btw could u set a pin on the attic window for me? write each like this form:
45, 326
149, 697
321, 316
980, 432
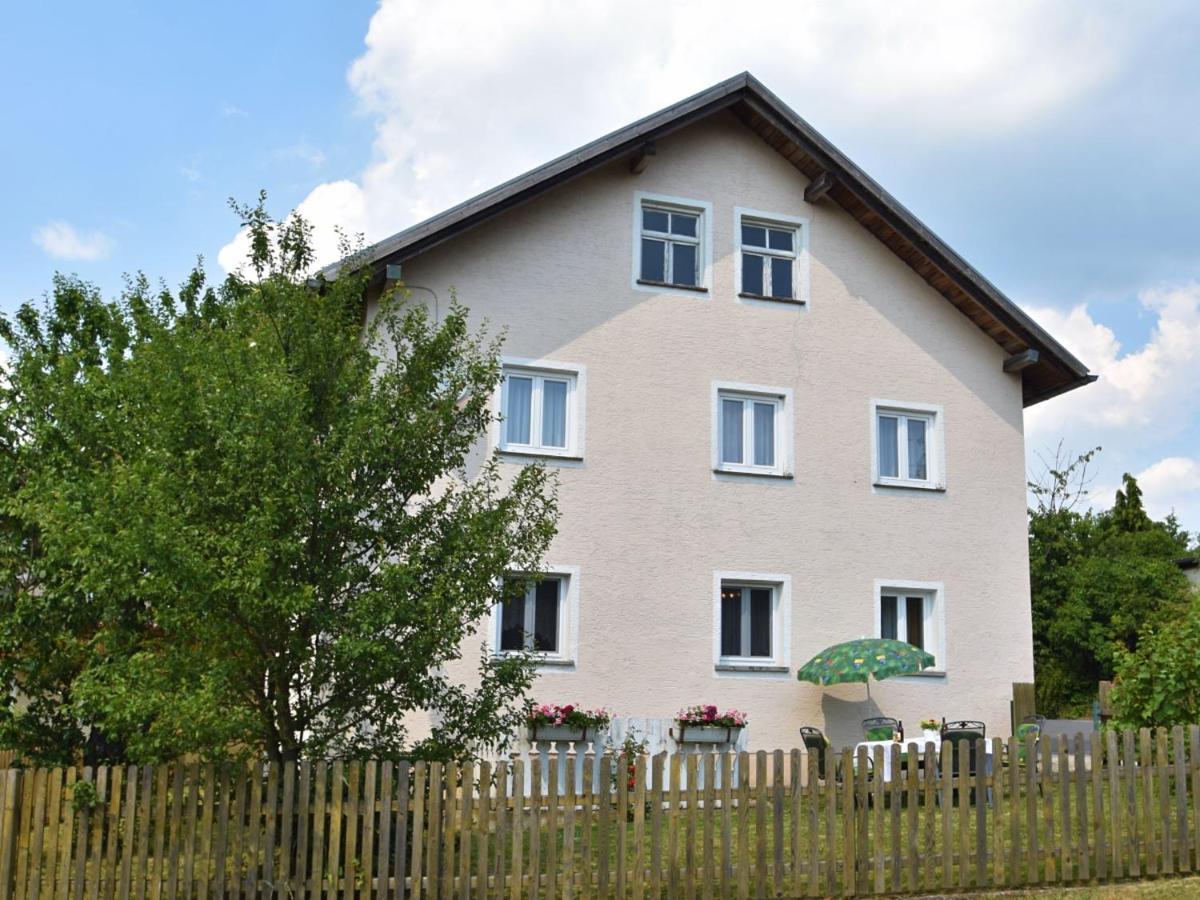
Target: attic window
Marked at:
670, 244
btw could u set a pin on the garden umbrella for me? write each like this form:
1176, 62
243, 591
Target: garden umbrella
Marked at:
859, 660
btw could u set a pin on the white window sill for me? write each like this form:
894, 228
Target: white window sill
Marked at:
752, 473
744, 295
750, 667
927, 673
560, 662
912, 485
540, 454
697, 288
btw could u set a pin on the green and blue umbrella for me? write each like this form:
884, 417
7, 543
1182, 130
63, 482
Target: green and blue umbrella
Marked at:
859, 660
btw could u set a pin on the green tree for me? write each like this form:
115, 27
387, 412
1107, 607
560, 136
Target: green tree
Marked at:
1096, 581
237, 519
1158, 683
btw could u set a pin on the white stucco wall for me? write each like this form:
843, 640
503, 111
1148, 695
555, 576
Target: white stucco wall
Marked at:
645, 520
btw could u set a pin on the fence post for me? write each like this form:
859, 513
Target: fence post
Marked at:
1024, 702
10, 811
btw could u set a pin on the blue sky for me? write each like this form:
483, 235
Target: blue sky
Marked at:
1055, 145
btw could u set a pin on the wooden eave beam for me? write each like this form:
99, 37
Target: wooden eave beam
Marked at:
638, 164
1022, 360
819, 187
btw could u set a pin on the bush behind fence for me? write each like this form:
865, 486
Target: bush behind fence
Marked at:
1093, 809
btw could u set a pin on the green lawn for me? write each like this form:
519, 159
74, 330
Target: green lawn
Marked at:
1161, 889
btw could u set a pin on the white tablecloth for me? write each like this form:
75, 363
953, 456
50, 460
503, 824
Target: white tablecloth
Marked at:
911, 745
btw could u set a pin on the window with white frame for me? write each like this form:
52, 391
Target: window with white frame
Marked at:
751, 621
671, 247
532, 616
539, 411
769, 254
911, 615
752, 431
908, 445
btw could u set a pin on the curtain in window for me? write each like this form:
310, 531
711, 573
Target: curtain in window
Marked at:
764, 434
916, 448
889, 456
887, 617
731, 431
914, 619
554, 413
512, 624
731, 621
545, 618
760, 621
519, 411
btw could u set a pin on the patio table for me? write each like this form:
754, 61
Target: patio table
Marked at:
914, 744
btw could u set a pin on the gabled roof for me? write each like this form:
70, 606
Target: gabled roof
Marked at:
1047, 369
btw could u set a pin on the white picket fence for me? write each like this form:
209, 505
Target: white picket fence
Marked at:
656, 735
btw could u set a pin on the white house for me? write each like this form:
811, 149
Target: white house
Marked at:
784, 414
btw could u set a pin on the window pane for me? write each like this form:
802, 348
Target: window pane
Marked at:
887, 617
654, 260
731, 621
754, 235
781, 278
916, 448
683, 264
512, 624
545, 617
889, 459
780, 240
914, 618
520, 403
654, 220
554, 413
731, 431
684, 224
764, 434
760, 621
752, 274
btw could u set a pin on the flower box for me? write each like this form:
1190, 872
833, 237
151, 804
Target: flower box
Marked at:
709, 734
551, 722
559, 733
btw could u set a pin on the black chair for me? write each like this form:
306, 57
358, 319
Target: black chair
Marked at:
815, 742
882, 728
959, 731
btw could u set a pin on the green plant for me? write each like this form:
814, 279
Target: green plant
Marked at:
929, 724
85, 797
568, 716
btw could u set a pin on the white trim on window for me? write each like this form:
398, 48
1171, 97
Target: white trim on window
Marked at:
801, 225
567, 655
934, 624
749, 394
935, 444
541, 370
701, 208
780, 660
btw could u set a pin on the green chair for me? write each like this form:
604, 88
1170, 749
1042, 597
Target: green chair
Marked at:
1031, 726
815, 742
883, 728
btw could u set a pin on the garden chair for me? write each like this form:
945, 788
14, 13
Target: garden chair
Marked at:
954, 733
882, 728
815, 742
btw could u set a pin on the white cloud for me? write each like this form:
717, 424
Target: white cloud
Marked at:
1144, 400
303, 151
467, 94
63, 241
233, 111
337, 202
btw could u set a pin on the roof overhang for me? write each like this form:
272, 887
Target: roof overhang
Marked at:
1046, 368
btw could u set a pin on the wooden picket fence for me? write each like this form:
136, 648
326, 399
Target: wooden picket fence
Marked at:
1094, 809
